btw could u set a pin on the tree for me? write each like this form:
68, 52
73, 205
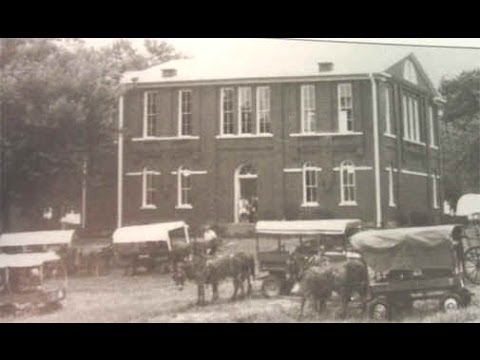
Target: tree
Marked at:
58, 98
460, 133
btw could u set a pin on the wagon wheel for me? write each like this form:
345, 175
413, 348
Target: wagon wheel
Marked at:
271, 287
451, 302
471, 264
380, 309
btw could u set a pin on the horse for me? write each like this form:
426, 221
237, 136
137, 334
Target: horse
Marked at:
204, 270
319, 279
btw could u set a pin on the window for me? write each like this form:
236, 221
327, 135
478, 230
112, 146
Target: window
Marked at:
263, 110
184, 188
309, 121
185, 112
310, 184
409, 72
388, 111
435, 190
150, 114
245, 110
345, 108
148, 189
347, 183
411, 119
227, 126
431, 126
391, 187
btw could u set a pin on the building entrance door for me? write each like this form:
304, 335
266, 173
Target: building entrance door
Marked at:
246, 199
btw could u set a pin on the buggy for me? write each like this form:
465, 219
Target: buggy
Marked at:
298, 241
147, 246
31, 281
410, 264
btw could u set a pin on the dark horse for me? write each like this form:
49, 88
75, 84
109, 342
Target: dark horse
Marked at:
207, 270
320, 279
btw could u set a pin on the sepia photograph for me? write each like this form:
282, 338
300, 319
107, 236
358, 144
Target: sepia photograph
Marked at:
239, 180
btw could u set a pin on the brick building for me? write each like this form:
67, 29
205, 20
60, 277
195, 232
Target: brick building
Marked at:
322, 140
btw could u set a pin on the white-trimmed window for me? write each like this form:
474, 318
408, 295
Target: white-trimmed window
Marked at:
310, 184
184, 187
148, 189
391, 187
309, 109
347, 183
150, 113
409, 72
185, 112
388, 111
227, 111
345, 108
245, 110
435, 190
263, 110
431, 126
411, 119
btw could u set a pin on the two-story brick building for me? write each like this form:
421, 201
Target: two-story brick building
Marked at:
317, 141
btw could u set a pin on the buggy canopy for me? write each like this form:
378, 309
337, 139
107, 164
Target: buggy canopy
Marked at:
54, 237
307, 227
408, 248
26, 260
148, 233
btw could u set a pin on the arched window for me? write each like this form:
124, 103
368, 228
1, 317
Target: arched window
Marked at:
184, 187
409, 72
347, 183
310, 184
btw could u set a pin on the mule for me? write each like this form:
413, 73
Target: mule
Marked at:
319, 280
207, 270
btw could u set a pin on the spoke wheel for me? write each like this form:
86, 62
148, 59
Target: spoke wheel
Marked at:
471, 265
380, 310
451, 302
271, 287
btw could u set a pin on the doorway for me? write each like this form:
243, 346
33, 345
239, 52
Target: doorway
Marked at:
245, 194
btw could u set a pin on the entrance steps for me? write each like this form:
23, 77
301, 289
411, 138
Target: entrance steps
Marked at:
241, 230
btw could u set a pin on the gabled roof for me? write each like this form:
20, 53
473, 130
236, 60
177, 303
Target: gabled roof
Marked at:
253, 66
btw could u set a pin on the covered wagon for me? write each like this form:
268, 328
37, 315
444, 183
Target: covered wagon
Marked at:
148, 246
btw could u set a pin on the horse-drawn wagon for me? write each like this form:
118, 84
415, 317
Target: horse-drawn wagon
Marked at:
76, 251
148, 246
30, 281
297, 241
410, 264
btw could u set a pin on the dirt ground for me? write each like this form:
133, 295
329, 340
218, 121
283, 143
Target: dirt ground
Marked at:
154, 298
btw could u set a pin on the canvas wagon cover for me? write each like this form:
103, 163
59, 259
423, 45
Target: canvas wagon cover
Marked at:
147, 233
26, 260
306, 227
407, 248
54, 237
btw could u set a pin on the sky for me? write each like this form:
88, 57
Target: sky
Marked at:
439, 60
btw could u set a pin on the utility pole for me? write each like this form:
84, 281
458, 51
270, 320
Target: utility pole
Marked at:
2, 140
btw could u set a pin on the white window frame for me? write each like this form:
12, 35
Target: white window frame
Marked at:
263, 108
181, 175
411, 119
345, 90
349, 166
182, 112
406, 122
388, 115
308, 109
146, 175
431, 126
435, 191
391, 187
245, 94
147, 116
309, 168
222, 110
